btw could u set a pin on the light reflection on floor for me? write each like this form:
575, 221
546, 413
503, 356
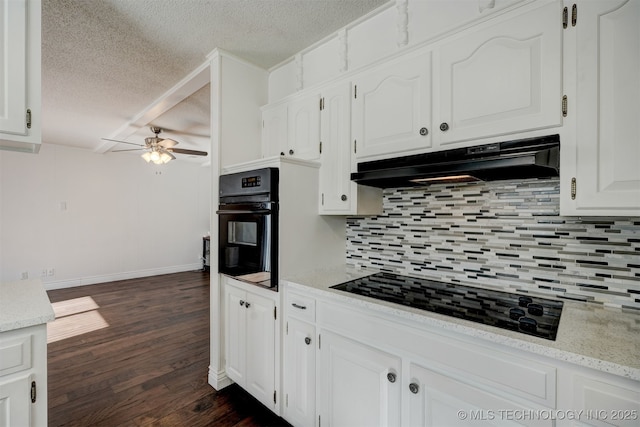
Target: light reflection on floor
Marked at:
74, 317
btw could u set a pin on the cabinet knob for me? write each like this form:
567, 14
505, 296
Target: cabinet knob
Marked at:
282, 153
241, 302
414, 388
391, 377
343, 197
424, 131
291, 152
307, 340
444, 126
246, 304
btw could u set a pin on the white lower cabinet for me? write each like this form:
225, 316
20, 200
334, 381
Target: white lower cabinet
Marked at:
438, 400
23, 377
300, 373
359, 385
250, 340
353, 366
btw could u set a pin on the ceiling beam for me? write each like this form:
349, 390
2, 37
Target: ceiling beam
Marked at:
186, 87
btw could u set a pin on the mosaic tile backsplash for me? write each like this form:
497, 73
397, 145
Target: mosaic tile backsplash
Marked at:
504, 235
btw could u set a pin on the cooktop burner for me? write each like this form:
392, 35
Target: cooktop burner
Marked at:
530, 315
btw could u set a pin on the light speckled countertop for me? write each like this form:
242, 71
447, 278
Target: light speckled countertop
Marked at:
602, 338
24, 303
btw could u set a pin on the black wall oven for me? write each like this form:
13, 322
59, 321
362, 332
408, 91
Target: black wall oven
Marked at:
248, 226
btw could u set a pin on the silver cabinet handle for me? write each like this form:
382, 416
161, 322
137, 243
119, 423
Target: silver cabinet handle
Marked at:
444, 126
307, 340
301, 307
343, 197
424, 131
391, 377
414, 388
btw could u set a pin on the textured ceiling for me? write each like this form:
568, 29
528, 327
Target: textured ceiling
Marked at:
104, 61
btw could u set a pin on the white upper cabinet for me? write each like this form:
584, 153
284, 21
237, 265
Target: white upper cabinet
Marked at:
20, 96
304, 127
274, 130
292, 128
603, 172
338, 194
392, 107
500, 78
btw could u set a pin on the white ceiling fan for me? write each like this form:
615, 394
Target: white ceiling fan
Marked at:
158, 150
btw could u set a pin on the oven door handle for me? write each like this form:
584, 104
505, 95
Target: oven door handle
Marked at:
244, 212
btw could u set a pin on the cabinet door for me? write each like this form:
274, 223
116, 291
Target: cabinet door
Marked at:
300, 373
437, 400
304, 128
335, 172
359, 385
235, 335
13, 106
274, 130
391, 105
15, 403
500, 79
260, 348
608, 105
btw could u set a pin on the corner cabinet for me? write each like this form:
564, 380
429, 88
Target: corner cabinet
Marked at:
500, 78
338, 194
250, 339
292, 129
20, 106
601, 165
23, 377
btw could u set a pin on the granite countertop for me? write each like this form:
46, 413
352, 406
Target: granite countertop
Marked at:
602, 338
24, 303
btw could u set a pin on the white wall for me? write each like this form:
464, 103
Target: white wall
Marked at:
123, 218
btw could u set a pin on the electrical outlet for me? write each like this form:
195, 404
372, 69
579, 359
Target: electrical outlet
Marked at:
25, 275
52, 272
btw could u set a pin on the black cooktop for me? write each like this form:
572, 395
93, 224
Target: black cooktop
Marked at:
523, 313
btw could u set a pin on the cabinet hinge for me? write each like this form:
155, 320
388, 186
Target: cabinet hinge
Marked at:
286, 400
574, 15
564, 106
28, 119
319, 341
565, 18
573, 188
33, 392
319, 421
322, 202
275, 313
320, 148
355, 146
274, 396
355, 91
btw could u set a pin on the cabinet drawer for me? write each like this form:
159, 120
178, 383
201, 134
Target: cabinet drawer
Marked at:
15, 354
300, 306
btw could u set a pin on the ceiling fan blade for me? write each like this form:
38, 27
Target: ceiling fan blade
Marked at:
168, 143
121, 142
132, 149
185, 151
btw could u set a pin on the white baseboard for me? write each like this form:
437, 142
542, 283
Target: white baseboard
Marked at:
218, 380
92, 280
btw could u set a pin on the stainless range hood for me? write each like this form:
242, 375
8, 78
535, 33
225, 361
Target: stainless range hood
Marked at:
526, 158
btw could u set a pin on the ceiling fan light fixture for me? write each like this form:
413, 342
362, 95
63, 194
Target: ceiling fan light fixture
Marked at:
146, 156
165, 158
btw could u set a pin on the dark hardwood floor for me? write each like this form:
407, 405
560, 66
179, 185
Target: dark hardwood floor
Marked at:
149, 365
